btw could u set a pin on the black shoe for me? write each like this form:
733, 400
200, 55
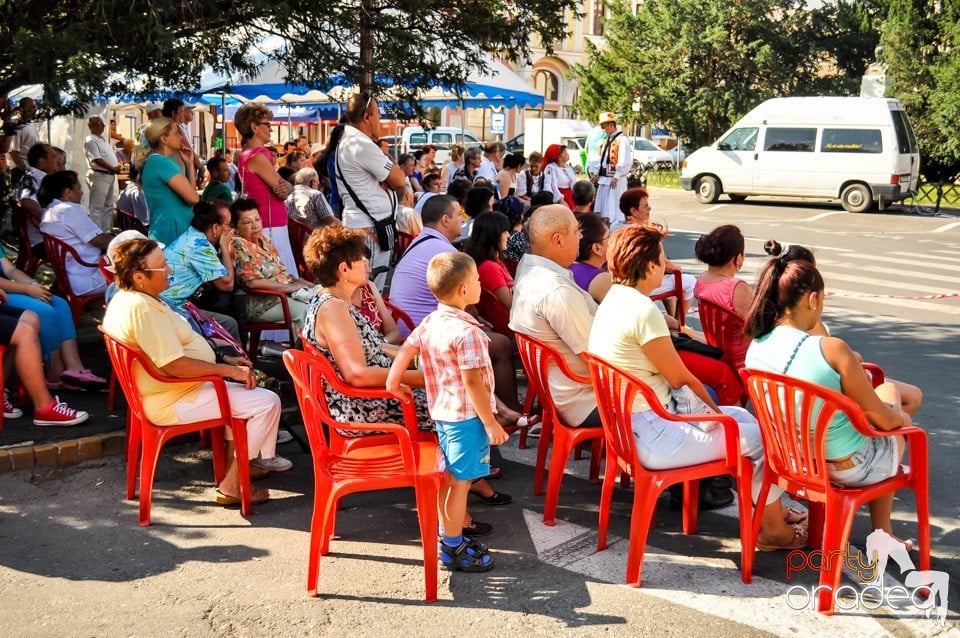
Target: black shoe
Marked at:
710, 499
497, 498
724, 482
476, 529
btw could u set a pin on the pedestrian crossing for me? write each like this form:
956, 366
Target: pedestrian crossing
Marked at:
869, 283
710, 583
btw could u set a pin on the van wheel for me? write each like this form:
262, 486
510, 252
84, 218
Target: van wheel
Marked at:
708, 190
856, 198
737, 198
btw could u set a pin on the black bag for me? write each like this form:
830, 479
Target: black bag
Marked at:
684, 342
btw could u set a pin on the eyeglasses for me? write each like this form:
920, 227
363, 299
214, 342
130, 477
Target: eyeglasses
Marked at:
163, 269
367, 105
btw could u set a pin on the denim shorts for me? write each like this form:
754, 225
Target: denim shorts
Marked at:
466, 448
877, 460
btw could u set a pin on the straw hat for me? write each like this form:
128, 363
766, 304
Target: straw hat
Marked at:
606, 116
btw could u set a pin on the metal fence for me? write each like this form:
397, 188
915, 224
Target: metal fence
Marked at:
935, 195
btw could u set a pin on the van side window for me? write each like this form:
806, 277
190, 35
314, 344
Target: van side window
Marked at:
906, 140
845, 140
802, 140
741, 139
443, 141
418, 138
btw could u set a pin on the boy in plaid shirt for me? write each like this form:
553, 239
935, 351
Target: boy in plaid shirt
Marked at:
459, 381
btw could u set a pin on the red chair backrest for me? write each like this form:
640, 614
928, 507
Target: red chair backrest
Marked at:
676, 292
20, 219
299, 233
537, 357
57, 253
305, 369
794, 417
399, 316
723, 329
129, 221
102, 264
401, 244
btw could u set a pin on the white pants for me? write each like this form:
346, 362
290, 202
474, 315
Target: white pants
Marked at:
103, 198
689, 281
260, 407
663, 444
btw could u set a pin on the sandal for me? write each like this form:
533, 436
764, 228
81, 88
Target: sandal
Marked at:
259, 496
476, 528
799, 541
524, 421
496, 499
464, 558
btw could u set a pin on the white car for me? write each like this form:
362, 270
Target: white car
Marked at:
646, 153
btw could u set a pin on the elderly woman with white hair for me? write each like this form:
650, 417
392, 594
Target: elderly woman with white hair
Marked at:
307, 202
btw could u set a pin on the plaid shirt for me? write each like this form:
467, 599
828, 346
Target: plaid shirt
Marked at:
450, 340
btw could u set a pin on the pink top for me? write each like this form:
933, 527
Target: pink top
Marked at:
493, 275
721, 294
273, 210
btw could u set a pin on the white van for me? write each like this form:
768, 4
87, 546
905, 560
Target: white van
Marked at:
860, 150
414, 138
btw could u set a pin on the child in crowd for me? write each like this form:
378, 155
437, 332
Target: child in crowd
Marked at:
459, 382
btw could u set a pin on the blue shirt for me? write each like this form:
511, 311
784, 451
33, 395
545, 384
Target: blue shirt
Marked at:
408, 289
193, 261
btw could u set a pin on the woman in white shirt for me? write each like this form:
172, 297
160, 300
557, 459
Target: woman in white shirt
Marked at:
506, 179
558, 175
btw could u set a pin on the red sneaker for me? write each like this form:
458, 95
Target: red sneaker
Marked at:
10, 411
57, 413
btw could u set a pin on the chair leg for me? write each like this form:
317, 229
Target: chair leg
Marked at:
546, 437
133, 454
253, 348
426, 491
152, 444
558, 461
836, 531
239, 427
322, 507
112, 396
596, 451
606, 498
644, 502
691, 506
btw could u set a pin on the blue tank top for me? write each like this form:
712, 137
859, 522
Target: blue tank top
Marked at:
772, 352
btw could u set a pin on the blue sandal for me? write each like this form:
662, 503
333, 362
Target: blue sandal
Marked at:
468, 556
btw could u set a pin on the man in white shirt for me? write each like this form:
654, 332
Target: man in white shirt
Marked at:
548, 305
491, 161
367, 180
616, 162
102, 170
26, 133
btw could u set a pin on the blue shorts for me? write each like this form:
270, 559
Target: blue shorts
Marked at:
466, 448
877, 460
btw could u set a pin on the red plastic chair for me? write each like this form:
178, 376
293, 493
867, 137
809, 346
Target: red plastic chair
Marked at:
616, 390
404, 462
723, 329
27, 260
299, 233
794, 428
57, 253
254, 328
675, 293
401, 244
129, 221
142, 435
537, 357
399, 316
3, 352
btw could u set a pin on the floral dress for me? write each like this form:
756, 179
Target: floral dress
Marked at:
259, 261
348, 409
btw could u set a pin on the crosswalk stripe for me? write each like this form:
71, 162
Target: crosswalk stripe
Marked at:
831, 273
922, 265
709, 585
923, 259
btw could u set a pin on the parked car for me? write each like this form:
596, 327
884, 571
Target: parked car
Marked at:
646, 153
515, 144
678, 153
443, 137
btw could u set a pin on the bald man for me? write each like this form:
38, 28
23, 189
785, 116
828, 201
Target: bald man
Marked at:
548, 305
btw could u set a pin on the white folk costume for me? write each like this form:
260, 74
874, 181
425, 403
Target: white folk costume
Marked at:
616, 161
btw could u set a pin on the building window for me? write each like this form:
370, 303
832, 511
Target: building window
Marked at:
546, 83
599, 13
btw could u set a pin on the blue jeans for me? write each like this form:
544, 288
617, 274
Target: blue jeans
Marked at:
56, 321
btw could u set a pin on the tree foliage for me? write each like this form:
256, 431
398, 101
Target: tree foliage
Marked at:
921, 40
87, 48
696, 65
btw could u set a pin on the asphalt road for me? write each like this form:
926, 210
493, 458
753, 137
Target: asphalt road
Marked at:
74, 562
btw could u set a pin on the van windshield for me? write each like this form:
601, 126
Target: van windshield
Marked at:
741, 139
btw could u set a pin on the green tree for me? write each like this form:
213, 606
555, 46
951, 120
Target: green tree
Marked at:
87, 48
696, 65
921, 39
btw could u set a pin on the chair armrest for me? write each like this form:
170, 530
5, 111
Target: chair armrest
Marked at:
219, 385
731, 429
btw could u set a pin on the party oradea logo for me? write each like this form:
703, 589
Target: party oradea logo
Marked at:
924, 590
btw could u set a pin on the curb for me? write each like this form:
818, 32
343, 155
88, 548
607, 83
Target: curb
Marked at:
63, 453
